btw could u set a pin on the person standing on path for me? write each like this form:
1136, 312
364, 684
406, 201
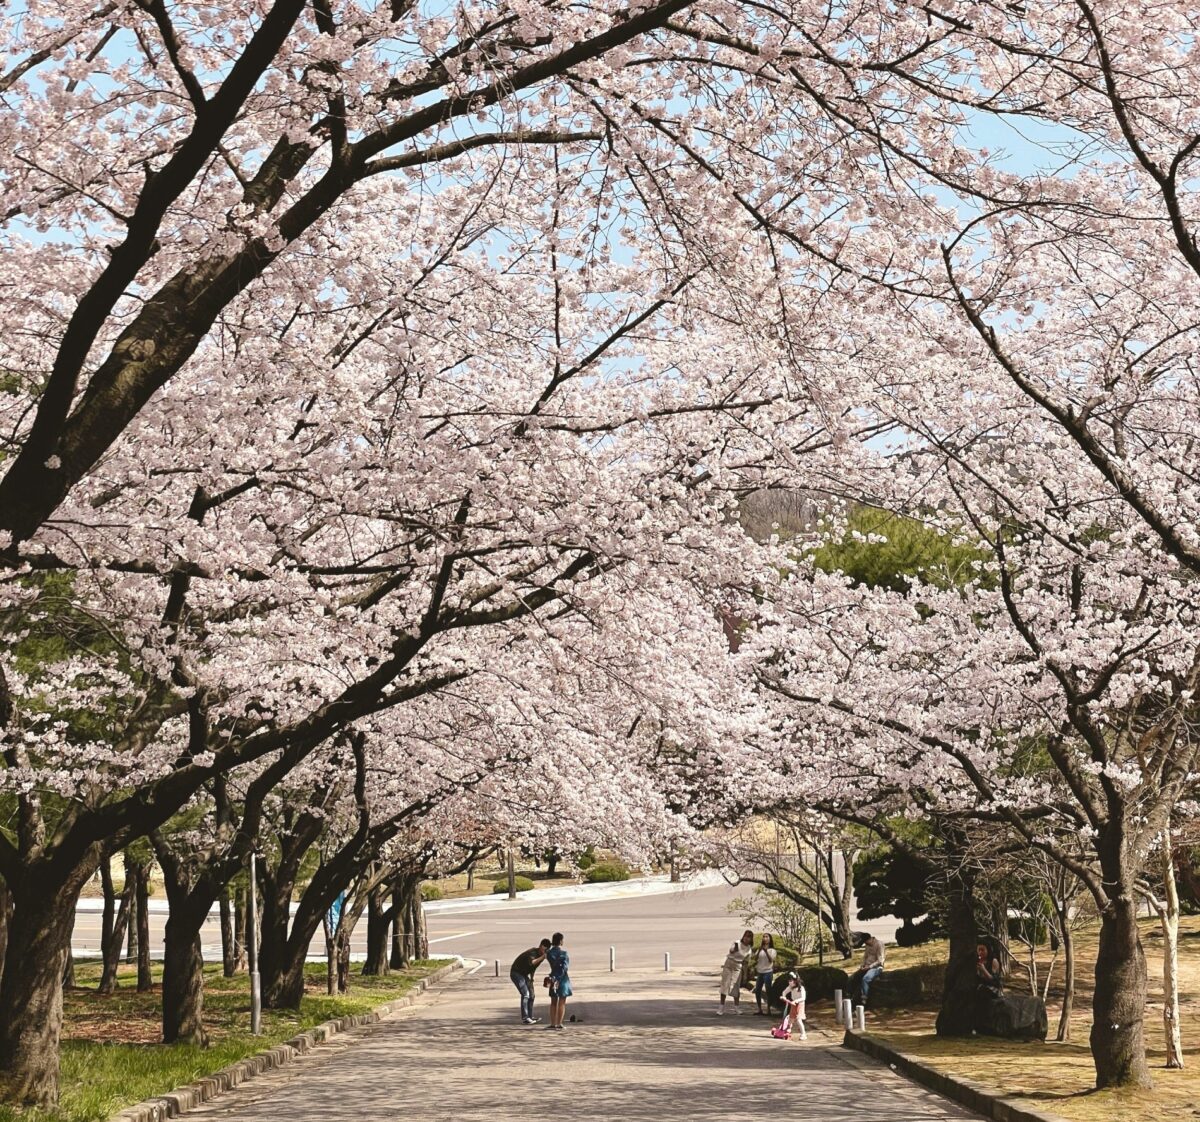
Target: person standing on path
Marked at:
731, 972
559, 982
764, 971
523, 969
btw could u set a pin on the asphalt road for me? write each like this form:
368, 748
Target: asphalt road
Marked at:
694, 926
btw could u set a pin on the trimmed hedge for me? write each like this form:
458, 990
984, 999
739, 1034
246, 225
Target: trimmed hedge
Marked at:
524, 884
605, 871
431, 891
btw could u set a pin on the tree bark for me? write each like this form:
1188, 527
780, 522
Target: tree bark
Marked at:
378, 925
1118, 1007
241, 906
145, 979
396, 958
957, 1014
183, 978
5, 915
31, 990
110, 906
1068, 942
228, 947
1169, 917
116, 941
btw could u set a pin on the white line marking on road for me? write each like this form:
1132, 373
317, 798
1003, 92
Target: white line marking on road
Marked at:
460, 935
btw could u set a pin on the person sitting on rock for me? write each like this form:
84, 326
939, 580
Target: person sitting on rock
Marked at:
872, 966
987, 973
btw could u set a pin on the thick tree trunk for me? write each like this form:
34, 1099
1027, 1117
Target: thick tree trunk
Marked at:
31, 991
5, 915
957, 1014
396, 960
1170, 929
1118, 1007
377, 936
228, 946
183, 978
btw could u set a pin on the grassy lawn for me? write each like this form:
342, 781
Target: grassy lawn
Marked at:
1059, 1077
111, 1057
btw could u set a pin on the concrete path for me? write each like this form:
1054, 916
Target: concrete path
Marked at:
648, 1048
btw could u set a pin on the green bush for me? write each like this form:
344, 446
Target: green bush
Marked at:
524, 884
431, 891
605, 871
586, 859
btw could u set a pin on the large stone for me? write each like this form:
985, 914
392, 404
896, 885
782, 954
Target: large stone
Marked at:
1011, 1016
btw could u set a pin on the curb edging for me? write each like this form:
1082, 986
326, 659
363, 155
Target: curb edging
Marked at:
208, 1087
976, 1096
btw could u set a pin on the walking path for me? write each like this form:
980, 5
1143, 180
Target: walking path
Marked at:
648, 1048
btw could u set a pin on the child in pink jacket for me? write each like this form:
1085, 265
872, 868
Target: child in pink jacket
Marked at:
793, 998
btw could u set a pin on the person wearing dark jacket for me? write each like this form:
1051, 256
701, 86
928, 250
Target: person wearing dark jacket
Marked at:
523, 969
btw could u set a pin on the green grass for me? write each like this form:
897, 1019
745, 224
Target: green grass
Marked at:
110, 1058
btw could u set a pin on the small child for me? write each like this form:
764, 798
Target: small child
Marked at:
793, 999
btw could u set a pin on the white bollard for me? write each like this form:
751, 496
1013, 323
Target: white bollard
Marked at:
847, 1015
837, 1006
612, 959
862, 1018
667, 961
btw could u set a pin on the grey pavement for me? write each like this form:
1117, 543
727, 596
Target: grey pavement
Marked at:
693, 925
648, 1048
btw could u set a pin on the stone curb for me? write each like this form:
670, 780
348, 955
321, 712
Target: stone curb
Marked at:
984, 1100
175, 1102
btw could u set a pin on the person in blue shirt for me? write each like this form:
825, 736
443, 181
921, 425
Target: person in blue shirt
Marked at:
559, 981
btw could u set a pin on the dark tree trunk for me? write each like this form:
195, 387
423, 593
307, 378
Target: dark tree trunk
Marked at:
68, 980
116, 942
228, 945
552, 859
378, 924
110, 906
183, 978
396, 960
1118, 1006
145, 979
31, 990
5, 915
241, 906
957, 1014
131, 934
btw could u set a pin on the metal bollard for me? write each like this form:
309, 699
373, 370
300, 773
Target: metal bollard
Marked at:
612, 959
847, 1014
837, 1006
862, 1018
667, 961
497, 968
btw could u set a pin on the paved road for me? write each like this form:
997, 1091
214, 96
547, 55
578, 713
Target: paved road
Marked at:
648, 1049
692, 925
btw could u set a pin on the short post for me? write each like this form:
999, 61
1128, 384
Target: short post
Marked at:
667, 961
862, 1018
252, 952
497, 968
847, 1014
837, 1006
612, 959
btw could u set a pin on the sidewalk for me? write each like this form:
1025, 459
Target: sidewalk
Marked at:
574, 893
648, 1048
533, 898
